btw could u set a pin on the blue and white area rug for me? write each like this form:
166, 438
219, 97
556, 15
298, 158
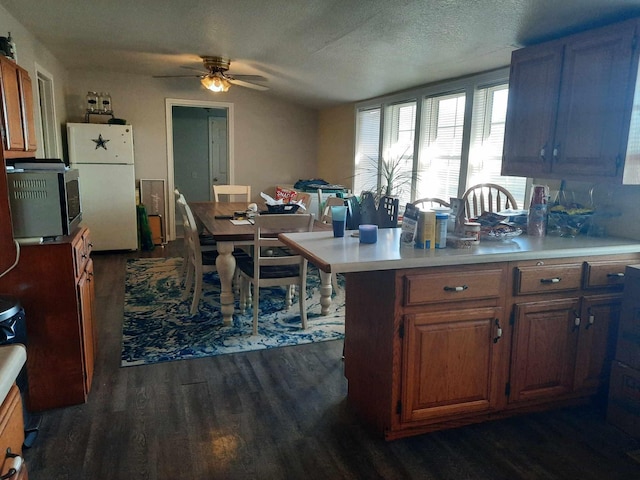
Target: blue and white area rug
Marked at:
158, 327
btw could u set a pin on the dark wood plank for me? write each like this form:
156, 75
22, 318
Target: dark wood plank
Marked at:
282, 414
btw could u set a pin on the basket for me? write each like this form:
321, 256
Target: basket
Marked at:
284, 208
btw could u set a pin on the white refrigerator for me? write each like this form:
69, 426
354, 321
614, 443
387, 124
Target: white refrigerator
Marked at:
103, 156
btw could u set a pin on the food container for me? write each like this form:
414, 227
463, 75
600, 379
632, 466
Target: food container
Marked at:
472, 231
283, 208
442, 219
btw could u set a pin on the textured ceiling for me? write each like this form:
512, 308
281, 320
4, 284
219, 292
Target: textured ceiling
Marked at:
315, 52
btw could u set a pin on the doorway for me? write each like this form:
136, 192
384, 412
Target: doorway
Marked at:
199, 150
46, 114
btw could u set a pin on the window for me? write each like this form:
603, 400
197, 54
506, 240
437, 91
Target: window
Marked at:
458, 128
441, 146
367, 150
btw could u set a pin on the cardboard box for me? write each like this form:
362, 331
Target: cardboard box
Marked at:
624, 398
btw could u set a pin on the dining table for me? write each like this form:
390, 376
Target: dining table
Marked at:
217, 218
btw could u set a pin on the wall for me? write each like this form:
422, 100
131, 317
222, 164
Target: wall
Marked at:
274, 140
336, 137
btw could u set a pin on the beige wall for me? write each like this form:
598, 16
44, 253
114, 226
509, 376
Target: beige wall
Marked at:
336, 135
275, 141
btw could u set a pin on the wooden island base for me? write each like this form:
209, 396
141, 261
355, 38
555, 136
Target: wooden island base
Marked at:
441, 347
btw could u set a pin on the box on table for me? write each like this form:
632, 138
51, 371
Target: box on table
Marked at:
624, 398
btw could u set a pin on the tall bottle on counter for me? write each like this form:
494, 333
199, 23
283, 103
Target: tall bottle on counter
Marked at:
537, 219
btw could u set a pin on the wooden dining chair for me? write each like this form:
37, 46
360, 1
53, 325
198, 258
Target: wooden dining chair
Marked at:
238, 193
206, 240
197, 262
430, 202
326, 211
283, 268
487, 197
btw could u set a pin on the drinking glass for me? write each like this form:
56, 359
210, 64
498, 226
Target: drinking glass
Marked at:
339, 220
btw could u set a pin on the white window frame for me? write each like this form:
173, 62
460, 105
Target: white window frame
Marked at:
469, 85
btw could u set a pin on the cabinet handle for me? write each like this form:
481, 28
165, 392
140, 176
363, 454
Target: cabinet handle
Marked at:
615, 275
455, 289
576, 321
592, 319
90, 244
15, 465
550, 280
498, 331
556, 152
543, 153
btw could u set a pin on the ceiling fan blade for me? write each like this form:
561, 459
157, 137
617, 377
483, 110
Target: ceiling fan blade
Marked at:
248, 78
198, 69
180, 76
242, 83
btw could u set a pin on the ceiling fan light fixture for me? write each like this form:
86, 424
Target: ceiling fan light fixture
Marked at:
215, 82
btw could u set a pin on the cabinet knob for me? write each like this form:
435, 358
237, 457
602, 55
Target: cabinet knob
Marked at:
591, 320
498, 331
615, 275
576, 321
550, 280
543, 153
455, 289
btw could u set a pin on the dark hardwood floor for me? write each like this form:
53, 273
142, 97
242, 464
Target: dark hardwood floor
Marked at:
282, 414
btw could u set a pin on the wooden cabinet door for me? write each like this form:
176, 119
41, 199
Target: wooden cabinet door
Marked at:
7, 247
86, 293
534, 85
545, 339
450, 363
11, 105
595, 103
597, 340
26, 107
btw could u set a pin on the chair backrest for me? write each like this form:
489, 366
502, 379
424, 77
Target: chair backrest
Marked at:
388, 212
239, 193
368, 209
328, 203
430, 202
191, 237
487, 197
266, 231
353, 212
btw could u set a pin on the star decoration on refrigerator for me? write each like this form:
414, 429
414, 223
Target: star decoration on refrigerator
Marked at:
100, 142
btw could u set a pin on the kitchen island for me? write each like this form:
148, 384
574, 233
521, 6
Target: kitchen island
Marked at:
441, 338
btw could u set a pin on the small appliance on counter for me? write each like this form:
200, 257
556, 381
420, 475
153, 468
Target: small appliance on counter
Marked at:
44, 202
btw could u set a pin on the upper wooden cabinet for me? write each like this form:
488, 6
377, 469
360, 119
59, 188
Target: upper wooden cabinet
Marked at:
18, 126
570, 108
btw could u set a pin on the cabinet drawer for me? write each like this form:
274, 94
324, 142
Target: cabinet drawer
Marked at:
606, 273
548, 278
452, 286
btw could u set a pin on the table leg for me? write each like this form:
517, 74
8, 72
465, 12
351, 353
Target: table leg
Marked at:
226, 266
325, 292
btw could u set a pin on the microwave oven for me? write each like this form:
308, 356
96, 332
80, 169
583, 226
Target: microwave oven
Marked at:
44, 203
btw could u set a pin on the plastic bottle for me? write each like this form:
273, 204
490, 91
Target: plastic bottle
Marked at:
442, 219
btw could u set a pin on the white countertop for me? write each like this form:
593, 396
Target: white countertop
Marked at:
12, 358
347, 254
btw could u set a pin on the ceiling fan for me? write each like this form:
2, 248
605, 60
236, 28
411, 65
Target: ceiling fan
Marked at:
216, 77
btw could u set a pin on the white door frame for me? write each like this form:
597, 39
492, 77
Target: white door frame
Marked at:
177, 102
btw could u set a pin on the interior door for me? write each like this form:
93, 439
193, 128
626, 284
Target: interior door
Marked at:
218, 158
